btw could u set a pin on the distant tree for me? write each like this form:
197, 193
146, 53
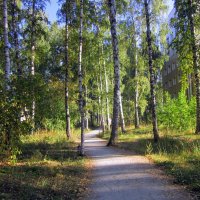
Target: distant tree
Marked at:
34, 16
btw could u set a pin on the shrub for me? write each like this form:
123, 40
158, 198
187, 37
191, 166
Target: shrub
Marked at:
179, 113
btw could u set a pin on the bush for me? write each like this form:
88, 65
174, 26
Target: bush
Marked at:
179, 113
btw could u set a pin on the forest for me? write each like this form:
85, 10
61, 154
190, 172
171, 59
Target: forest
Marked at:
101, 65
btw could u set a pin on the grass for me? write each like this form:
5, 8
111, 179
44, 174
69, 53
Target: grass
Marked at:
48, 168
178, 153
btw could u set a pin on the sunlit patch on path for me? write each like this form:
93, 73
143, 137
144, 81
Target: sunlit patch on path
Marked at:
118, 175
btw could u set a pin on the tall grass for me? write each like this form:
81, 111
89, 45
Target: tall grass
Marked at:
47, 168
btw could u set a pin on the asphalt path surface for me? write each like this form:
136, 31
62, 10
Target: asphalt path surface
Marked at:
121, 175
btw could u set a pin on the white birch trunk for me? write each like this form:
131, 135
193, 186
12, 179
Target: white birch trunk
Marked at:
86, 112
151, 72
16, 39
6, 44
116, 99
7, 62
67, 114
195, 63
123, 129
137, 121
80, 74
32, 70
107, 100
101, 93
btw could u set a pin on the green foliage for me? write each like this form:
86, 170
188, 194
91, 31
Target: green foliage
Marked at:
178, 114
11, 126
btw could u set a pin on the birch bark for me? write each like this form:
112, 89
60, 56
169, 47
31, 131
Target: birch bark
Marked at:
67, 114
195, 64
123, 129
32, 70
7, 61
80, 75
107, 100
6, 44
137, 121
151, 71
16, 39
116, 99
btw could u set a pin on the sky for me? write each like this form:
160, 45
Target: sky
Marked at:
53, 7
51, 10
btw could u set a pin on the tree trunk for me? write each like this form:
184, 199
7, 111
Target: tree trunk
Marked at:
7, 63
32, 70
99, 104
86, 112
80, 75
129, 110
101, 96
6, 44
107, 100
195, 65
116, 100
122, 115
16, 39
67, 114
137, 121
33, 40
152, 74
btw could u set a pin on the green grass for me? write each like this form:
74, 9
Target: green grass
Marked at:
178, 153
48, 168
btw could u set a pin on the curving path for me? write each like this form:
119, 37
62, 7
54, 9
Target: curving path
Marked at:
119, 175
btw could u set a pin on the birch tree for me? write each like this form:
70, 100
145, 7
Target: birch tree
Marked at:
34, 15
123, 129
15, 26
116, 98
68, 131
7, 63
6, 43
196, 67
80, 76
136, 99
152, 73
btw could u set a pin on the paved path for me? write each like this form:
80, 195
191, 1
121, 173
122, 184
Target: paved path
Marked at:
119, 175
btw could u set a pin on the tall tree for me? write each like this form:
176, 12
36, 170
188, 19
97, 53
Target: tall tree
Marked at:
107, 91
116, 98
68, 132
7, 62
15, 16
80, 76
136, 99
152, 73
6, 43
191, 13
34, 17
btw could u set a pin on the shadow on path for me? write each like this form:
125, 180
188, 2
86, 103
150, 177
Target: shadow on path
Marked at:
119, 175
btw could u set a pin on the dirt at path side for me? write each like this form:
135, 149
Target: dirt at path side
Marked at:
117, 175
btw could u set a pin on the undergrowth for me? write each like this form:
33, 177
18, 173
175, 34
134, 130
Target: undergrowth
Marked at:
47, 168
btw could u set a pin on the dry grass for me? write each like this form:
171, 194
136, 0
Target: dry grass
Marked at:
48, 168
